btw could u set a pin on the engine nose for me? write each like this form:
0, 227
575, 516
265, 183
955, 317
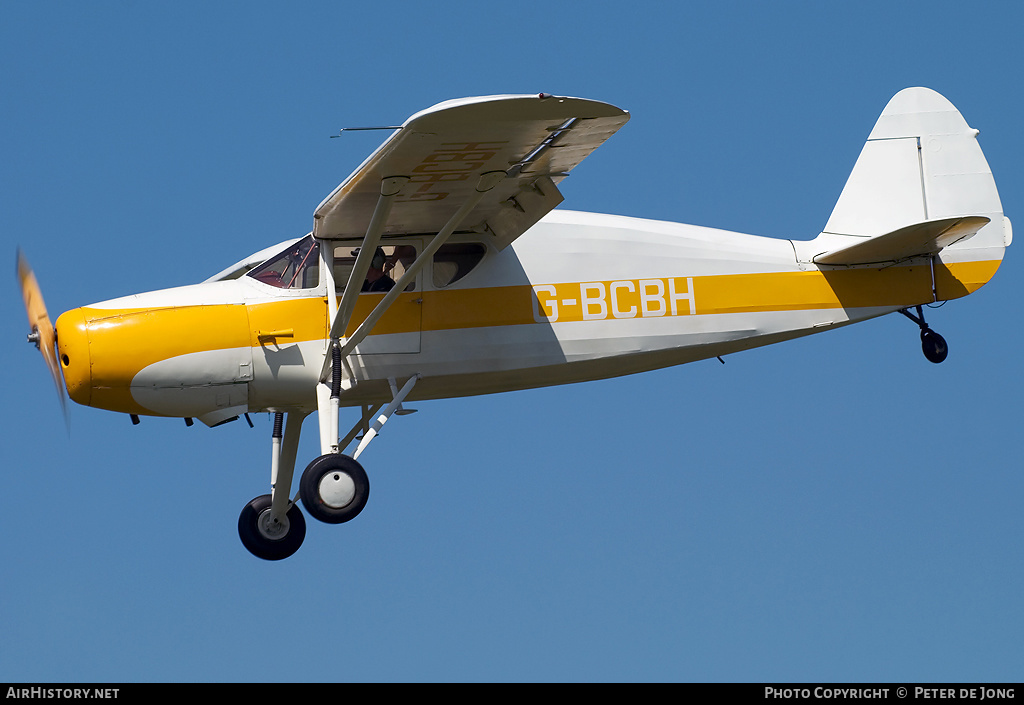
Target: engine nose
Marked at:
73, 353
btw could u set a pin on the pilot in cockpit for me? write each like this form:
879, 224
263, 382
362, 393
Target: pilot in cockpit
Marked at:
377, 279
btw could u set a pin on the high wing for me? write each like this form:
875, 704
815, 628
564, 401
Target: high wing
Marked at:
486, 165
530, 142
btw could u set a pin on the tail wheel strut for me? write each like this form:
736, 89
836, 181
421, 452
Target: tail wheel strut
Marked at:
933, 345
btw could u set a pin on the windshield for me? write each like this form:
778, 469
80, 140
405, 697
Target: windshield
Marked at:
298, 267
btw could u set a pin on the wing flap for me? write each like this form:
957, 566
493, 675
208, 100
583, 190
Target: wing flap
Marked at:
918, 240
522, 210
535, 140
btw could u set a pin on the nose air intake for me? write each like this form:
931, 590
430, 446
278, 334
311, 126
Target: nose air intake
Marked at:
73, 355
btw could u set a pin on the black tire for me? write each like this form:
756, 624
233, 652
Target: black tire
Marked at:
347, 479
266, 541
933, 346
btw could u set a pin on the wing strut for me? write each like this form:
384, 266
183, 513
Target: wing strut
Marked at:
328, 397
339, 313
389, 188
486, 183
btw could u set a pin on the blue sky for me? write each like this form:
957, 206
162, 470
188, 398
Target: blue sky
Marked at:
834, 508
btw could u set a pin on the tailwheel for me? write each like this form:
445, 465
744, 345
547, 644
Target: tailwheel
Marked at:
269, 538
334, 488
933, 345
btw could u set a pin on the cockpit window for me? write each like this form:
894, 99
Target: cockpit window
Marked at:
454, 261
388, 265
298, 267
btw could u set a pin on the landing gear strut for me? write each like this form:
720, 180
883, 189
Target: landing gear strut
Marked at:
271, 526
933, 345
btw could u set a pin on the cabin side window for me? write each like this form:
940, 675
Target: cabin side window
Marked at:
388, 265
298, 267
454, 261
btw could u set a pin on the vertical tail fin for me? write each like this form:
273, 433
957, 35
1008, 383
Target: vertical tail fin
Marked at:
920, 164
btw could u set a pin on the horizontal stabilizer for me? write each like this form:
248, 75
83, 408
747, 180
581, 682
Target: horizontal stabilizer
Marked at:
917, 240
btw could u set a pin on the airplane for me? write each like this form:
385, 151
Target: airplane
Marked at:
441, 268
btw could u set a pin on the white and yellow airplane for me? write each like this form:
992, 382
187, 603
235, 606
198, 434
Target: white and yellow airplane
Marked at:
440, 268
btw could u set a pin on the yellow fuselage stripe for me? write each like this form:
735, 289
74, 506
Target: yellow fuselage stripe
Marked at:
123, 342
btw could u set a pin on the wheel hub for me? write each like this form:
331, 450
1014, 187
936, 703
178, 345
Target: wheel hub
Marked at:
271, 528
337, 489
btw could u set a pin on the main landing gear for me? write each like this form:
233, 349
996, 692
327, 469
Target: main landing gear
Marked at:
269, 537
333, 488
933, 345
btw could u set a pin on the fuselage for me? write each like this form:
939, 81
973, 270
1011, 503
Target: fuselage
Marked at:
579, 296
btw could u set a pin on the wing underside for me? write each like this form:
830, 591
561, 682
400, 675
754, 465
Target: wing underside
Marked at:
525, 143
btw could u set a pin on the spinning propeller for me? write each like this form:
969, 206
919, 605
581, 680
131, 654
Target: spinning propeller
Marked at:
43, 334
